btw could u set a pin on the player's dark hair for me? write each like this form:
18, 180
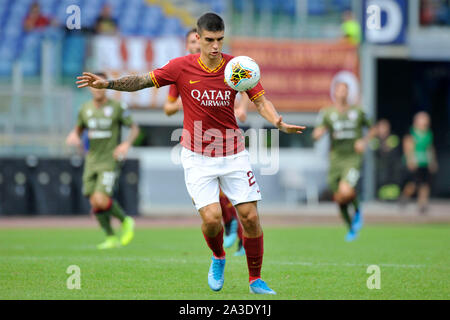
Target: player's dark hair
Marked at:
193, 30
101, 74
210, 22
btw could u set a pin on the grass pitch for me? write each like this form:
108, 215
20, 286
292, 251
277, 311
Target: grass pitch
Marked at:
299, 263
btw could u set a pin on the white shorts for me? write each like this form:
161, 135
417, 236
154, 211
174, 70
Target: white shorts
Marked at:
203, 176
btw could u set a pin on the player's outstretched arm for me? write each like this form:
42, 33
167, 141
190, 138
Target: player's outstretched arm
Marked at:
319, 132
361, 144
121, 151
268, 112
127, 83
434, 164
73, 139
408, 150
172, 107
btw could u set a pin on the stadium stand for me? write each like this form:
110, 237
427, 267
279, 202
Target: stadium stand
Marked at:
150, 19
134, 17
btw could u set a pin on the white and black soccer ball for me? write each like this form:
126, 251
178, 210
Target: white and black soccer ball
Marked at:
242, 73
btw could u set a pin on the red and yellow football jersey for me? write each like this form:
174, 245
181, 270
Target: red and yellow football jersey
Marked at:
210, 125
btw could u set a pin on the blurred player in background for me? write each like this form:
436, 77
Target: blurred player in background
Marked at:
387, 147
103, 119
214, 152
173, 103
233, 228
351, 29
345, 125
421, 161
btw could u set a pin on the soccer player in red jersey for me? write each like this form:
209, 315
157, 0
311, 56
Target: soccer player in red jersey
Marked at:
214, 154
233, 229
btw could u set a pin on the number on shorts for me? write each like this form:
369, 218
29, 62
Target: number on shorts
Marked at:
353, 176
108, 180
251, 180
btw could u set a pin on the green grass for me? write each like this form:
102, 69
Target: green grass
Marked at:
299, 263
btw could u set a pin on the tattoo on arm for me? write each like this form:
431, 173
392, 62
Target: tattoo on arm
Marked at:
131, 83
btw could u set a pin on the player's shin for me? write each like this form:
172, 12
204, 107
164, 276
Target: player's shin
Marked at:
216, 244
356, 204
104, 219
227, 207
343, 208
254, 250
117, 211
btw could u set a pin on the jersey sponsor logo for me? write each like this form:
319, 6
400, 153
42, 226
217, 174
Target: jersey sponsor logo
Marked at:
343, 125
212, 98
102, 123
99, 134
343, 135
194, 82
92, 123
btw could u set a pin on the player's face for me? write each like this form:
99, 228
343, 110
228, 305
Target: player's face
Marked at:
98, 94
422, 121
192, 44
384, 129
211, 43
341, 92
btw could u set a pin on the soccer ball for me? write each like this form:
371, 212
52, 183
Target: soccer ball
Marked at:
242, 73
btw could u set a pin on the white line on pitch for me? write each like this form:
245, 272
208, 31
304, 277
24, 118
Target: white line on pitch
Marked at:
194, 260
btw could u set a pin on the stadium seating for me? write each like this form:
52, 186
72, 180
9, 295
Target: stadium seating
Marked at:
134, 18
38, 186
143, 18
74, 49
16, 194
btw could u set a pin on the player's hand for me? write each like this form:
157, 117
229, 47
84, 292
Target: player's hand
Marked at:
319, 132
434, 167
73, 139
121, 151
412, 165
360, 146
288, 128
91, 80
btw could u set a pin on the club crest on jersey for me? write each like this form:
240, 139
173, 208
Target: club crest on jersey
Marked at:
239, 73
353, 115
89, 113
108, 111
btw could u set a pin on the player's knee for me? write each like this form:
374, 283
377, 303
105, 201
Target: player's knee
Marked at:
346, 198
337, 198
212, 221
345, 193
99, 201
212, 217
250, 220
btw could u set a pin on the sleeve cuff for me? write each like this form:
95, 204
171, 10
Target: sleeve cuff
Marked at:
152, 76
256, 96
171, 98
